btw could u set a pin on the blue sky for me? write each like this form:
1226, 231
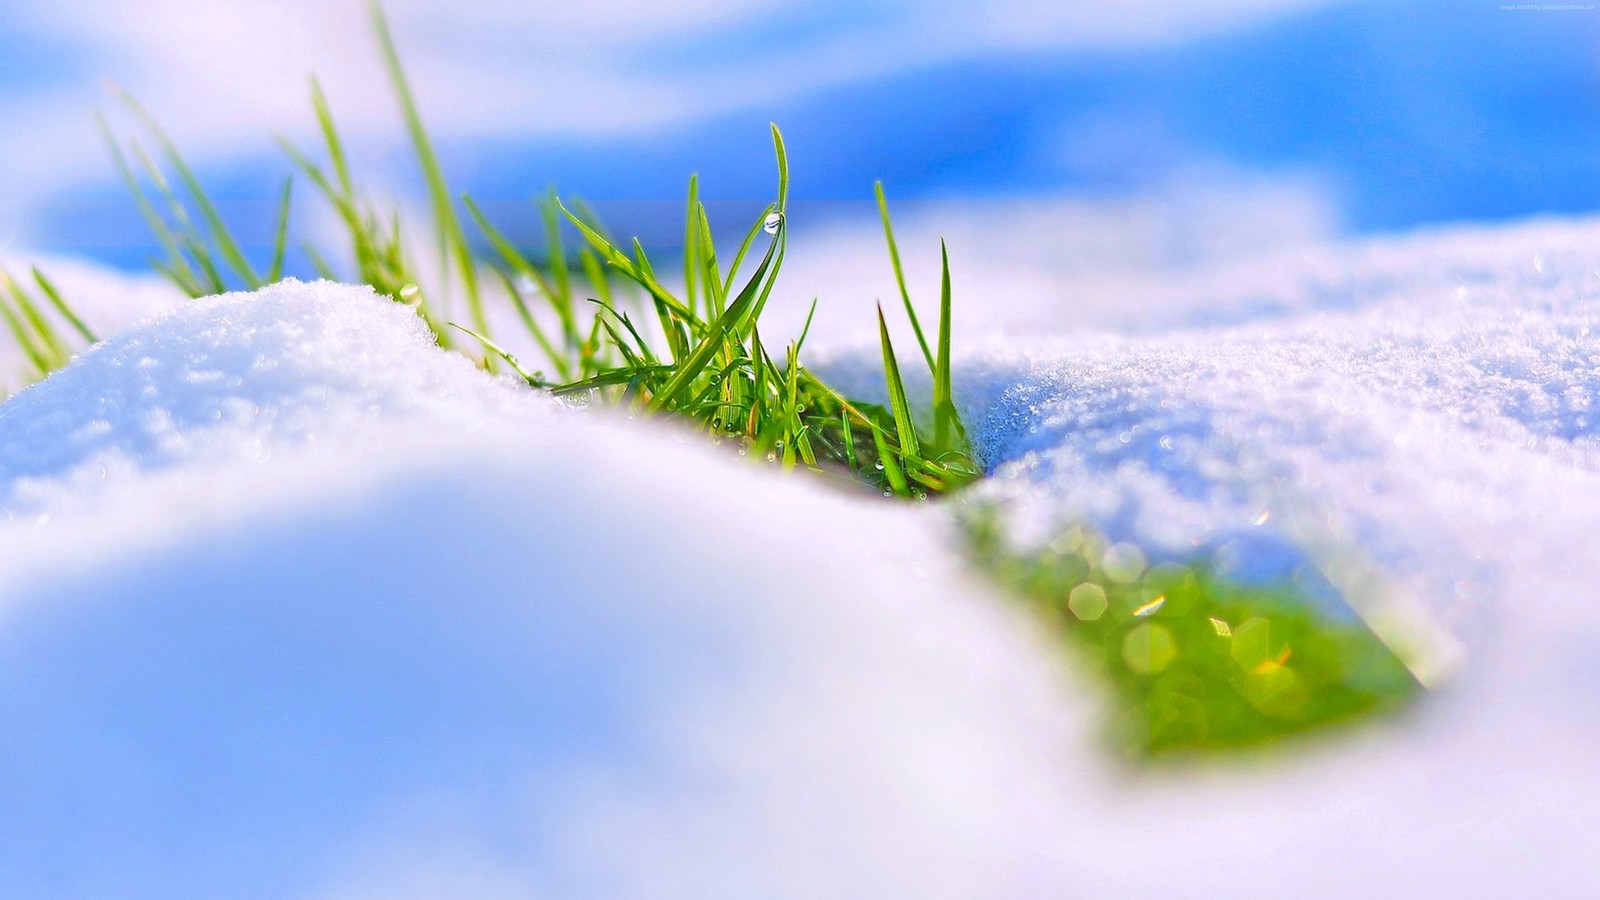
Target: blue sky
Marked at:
1402, 113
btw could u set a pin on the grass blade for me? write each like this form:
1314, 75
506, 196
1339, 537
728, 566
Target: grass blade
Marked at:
899, 273
947, 430
220, 235
453, 245
61, 306
904, 427
712, 342
281, 237
501, 352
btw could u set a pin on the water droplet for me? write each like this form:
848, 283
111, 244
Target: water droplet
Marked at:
770, 226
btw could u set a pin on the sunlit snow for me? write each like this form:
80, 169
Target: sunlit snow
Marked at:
293, 604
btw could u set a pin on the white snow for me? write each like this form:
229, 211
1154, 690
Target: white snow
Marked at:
315, 609
293, 604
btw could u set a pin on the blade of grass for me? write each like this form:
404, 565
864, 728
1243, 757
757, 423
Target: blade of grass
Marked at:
631, 269
178, 269
744, 249
453, 245
712, 342
905, 428
899, 273
280, 241
947, 430
61, 306
557, 359
560, 292
220, 235
891, 469
501, 352
691, 246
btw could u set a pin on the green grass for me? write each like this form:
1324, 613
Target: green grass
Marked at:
42, 326
603, 324
1197, 663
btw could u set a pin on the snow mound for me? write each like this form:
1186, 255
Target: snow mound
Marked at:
294, 604
346, 617
1427, 407
219, 379
1430, 404
1444, 419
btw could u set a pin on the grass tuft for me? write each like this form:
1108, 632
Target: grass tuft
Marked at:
695, 354
38, 328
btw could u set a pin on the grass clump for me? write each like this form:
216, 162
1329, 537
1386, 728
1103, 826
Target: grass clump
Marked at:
696, 354
1196, 661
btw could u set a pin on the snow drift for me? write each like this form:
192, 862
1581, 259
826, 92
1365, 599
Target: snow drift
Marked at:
294, 604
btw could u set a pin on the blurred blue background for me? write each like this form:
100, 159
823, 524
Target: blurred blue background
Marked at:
1400, 114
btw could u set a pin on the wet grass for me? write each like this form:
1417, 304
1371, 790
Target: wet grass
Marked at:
603, 324
1197, 662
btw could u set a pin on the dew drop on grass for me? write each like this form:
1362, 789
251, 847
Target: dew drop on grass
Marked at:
578, 400
773, 220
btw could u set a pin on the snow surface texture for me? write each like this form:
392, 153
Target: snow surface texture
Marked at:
319, 610
333, 621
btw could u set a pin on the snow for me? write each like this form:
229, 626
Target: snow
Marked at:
293, 604
1424, 403
343, 615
